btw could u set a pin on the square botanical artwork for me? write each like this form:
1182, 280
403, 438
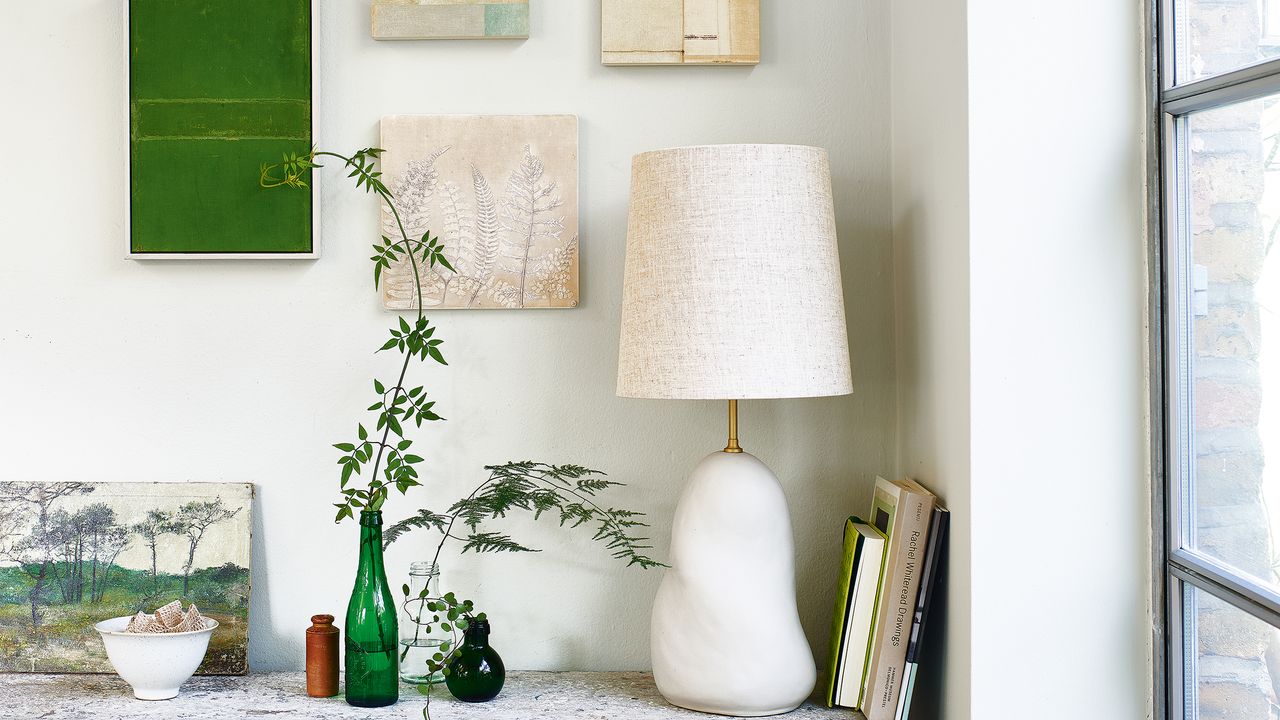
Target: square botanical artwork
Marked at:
501, 193
449, 19
75, 553
680, 32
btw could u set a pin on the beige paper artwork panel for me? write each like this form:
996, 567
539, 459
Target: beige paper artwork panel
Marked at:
501, 193
449, 19
680, 32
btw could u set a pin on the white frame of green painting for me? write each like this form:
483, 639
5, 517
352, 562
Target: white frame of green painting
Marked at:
315, 182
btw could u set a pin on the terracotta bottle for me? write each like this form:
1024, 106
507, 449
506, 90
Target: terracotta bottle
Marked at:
322, 657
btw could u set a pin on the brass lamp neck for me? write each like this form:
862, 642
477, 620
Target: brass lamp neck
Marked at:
733, 446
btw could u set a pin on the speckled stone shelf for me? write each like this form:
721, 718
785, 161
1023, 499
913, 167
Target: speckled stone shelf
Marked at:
527, 696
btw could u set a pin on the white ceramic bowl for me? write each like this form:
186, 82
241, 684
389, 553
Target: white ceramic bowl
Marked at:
154, 665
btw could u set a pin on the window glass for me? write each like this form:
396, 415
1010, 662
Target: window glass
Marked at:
1234, 215
1230, 660
1234, 298
1217, 36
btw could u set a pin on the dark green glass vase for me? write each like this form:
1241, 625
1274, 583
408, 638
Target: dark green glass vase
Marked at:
476, 674
372, 638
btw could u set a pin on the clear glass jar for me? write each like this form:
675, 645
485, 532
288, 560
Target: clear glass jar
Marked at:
416, 644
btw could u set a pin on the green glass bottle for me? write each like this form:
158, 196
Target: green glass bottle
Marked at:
372, 637
477, 673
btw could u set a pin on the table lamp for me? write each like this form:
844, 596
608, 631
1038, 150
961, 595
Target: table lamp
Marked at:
732, 292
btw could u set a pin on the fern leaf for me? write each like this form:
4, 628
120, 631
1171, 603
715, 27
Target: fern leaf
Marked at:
527, 206
493, 543
456, 228
484, 254
552, 273
414, 190
564, 492
424, 519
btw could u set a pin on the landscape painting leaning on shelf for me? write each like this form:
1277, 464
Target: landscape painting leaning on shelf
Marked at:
74, 553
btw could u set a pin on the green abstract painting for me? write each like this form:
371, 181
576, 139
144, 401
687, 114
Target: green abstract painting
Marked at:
216, 88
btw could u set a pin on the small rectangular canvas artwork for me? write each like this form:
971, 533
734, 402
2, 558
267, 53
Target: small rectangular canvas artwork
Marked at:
215, 89
75, 553
680, 32
501, 193
449, 19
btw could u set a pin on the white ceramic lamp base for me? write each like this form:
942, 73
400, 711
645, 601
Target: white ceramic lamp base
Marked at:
726, 634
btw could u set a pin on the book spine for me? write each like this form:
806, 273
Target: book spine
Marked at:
902, 581
908, 687
840, 621
930, 576
928, 579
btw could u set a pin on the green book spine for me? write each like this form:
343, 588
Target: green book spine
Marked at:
849, 565
866, 658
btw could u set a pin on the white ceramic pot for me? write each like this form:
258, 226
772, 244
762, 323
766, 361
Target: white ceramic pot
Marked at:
155, 665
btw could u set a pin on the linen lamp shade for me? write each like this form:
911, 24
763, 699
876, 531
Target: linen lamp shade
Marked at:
732, 284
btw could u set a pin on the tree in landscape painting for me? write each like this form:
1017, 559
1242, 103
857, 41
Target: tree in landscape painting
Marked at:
89, 541
108, 546
100, 527
193, 519
156, 525
38, 549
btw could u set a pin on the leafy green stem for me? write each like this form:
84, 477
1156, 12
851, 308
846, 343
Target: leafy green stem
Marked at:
412, 341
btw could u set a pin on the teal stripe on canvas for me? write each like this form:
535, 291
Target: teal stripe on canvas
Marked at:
506, 20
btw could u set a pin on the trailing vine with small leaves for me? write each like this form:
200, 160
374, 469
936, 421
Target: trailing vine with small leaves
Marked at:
452, 616
567, 492
392, 464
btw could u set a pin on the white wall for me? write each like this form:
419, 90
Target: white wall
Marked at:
1019, 241
114, 370
931, 256
1057, 255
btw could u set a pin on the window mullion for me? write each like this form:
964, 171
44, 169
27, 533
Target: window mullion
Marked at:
1221, 581
1247, 83
1179, 693
1179, 460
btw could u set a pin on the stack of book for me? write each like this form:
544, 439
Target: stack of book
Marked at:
887, 580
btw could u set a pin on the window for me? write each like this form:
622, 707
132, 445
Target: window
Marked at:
1271, 27
1219, 301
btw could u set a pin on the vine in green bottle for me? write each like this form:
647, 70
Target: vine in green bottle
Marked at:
382, 456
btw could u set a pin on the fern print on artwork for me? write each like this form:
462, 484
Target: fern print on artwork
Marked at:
501, 192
